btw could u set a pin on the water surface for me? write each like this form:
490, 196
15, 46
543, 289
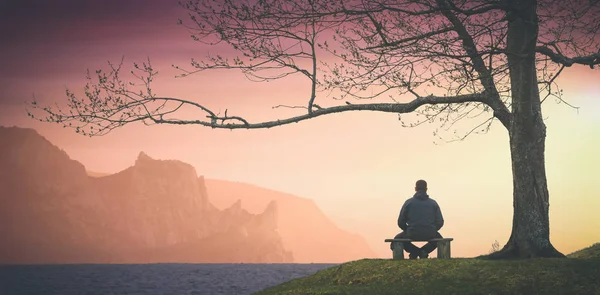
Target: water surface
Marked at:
153, 279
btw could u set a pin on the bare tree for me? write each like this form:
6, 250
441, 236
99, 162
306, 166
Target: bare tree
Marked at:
491, 59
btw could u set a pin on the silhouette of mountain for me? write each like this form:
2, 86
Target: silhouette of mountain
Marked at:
54, 211
51, 211
304, 229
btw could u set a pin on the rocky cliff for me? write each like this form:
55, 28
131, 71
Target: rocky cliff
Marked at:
51, 211
303, 227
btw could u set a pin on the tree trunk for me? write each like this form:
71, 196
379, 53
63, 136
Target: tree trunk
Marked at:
530, 235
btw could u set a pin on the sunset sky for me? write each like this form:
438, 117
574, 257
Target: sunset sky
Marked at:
358, 167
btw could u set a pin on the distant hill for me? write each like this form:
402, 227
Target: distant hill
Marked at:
303, 227
51, 211
54, 211
592, 251
305, 231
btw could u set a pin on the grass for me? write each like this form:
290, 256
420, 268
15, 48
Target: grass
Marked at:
591, 252
454, 276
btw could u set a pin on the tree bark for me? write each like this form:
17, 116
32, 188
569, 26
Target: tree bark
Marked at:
530, 235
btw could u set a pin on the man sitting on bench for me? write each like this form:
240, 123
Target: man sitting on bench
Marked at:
420, 219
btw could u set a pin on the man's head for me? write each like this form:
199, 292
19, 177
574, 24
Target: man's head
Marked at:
421, 185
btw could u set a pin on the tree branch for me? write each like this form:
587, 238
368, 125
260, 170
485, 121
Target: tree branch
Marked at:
589, 60
487, 80
223, 122
477, 10
398, 108
410, 39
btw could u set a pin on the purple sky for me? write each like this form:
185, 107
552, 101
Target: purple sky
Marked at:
40, 38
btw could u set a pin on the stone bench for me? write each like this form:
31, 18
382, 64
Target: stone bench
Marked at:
443, 247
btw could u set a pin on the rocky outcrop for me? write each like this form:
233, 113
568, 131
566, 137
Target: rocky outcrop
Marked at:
153, 203
253, 241
51, 211
32, 160
303, 227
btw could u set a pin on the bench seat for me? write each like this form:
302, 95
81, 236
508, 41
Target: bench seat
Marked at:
443, 247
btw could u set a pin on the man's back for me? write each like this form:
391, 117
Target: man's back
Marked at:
420, 219
421, 216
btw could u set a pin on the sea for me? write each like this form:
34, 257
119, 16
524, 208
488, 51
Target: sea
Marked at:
152, 279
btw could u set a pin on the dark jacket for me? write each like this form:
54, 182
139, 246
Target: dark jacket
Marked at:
420, 217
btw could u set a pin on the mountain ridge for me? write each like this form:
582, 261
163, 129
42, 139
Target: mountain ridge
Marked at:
306, 241
154, 211
142, 195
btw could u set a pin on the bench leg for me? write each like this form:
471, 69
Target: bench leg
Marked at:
398, 252
443, 249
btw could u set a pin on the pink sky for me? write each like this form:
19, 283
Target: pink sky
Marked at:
358, 167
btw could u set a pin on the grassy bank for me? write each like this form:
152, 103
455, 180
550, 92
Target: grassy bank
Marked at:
579, 274
591, 252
